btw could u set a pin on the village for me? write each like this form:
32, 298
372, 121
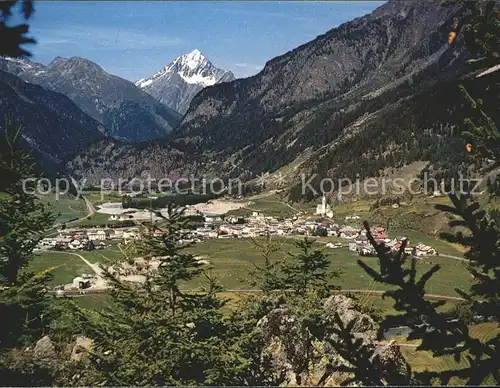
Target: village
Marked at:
255, 225
335, 235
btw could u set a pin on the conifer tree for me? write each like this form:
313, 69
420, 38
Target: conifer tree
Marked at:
24, 305
308, 270
297, 284
268, 277
437, 332
22, 222
296, 273
157, 333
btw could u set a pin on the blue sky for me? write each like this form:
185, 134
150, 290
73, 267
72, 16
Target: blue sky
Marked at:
135, 39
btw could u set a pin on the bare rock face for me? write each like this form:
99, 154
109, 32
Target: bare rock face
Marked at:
365, 326
287, 345
299, 359
81, 347
44, 348
388, 357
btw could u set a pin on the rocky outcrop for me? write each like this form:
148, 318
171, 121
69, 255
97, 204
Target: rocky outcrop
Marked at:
81, 347
388, 357
40, 365
365, 327
44, 348
299, 359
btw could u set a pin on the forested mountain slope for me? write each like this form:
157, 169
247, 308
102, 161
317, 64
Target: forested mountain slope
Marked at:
129, 113
54, 127
378, 89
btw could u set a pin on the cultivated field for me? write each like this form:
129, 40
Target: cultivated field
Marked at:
421, 361
232, 260
65, 266
66, 206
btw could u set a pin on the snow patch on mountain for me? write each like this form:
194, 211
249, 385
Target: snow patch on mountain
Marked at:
199, 79
22, 65
143, 84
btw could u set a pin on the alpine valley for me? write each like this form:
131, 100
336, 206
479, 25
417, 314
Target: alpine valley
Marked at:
107, 106
373, 94
128, 113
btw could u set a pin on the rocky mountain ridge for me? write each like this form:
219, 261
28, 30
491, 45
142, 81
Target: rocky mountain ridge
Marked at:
372, 93
128, 113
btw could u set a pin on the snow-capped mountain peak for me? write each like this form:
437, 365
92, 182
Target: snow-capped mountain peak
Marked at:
195, 68
178, 82
194, 59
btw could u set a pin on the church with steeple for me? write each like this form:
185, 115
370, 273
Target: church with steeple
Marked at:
324, 208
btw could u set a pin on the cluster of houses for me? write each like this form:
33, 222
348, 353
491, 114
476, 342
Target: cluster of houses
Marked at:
362, 246
87, 239
260, 225
255, 225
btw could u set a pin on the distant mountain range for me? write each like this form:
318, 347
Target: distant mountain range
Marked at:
177, 83
128, 113
379, 91
71, 103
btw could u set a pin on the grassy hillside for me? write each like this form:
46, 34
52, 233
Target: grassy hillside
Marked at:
421, 361
233, 259
66, 206
63, 267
